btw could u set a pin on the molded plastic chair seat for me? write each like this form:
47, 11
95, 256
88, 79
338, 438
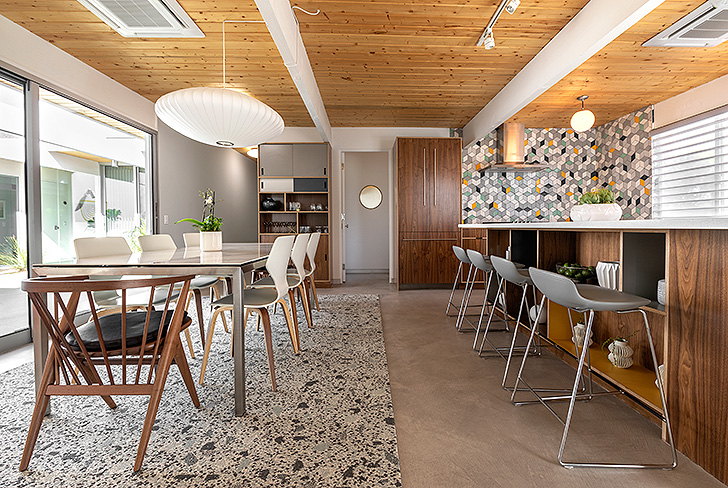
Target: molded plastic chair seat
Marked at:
509, 271
461, 254
252, 298
563, 291
292, 278
203, 281
479, 261
110, 326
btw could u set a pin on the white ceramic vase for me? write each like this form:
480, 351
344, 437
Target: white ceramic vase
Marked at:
620, 354
533, 312
579, 333
211, 241
595, 211
608, 274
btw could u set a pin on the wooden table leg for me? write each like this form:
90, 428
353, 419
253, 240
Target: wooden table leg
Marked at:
40, 347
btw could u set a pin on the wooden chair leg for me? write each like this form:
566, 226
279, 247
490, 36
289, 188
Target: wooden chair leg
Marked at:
214, 295
303, 292
292, 327
257, 324
184, 370
200, 320
41, 405
268, 345
292, 302
313, 289
208, 344
189, 343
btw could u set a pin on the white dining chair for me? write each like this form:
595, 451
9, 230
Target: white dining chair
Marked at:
295, 282
164, 242
311, 249
258, 300
192, 239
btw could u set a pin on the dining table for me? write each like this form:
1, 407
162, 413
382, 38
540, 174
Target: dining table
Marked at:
233, 261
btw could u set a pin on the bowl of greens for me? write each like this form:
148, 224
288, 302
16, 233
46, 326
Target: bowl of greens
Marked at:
577, 272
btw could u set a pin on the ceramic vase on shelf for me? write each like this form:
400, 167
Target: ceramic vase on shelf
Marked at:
595, 212
608, 274
620, 354
579, 333
533, 312
210, 241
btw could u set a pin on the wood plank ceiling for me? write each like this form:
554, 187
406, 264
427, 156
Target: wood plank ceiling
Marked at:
386, 63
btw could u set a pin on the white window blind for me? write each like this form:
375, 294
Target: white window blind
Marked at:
690, 169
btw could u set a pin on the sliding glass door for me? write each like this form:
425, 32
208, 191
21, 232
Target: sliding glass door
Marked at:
14, 328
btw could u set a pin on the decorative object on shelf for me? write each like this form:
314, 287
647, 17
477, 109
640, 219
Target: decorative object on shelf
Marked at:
620, 352
577, 272
209, 226
294, 206
661, 373
319, 207
580, 333
582, 120
661, 292
269, 204
533, 312
596, 206
608, 274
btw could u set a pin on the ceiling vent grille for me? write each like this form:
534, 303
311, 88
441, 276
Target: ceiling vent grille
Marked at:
144, 18
706, 26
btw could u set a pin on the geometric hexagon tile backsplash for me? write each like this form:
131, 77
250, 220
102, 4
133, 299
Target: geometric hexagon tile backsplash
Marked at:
616, 155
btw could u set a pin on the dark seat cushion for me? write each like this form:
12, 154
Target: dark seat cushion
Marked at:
111, 330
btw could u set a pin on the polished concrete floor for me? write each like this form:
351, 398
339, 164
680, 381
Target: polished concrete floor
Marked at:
456, 426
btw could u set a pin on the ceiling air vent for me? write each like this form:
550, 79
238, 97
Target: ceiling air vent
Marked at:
144, 18
706, 26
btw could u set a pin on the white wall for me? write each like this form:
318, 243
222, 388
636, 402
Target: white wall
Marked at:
26, 54
700, 99
187, 167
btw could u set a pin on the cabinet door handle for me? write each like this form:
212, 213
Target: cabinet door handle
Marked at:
435, 177
324, 171
262, 171
261, 185
424, 176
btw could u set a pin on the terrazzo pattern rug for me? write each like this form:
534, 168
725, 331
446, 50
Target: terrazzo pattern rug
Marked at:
330, 424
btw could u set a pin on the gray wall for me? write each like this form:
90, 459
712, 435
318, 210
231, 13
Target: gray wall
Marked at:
186, 167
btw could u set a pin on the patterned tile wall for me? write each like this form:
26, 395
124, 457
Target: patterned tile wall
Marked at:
617, 155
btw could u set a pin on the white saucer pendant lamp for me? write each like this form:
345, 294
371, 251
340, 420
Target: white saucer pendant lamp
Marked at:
582, 120
219, 116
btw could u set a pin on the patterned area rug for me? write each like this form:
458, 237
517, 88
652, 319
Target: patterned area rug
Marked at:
329, 424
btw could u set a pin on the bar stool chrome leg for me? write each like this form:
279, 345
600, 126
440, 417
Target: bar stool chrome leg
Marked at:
666, 416
452, 293
466, 296
498, 295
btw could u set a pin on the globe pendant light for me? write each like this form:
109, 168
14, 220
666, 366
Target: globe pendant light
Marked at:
582, 120
219, 116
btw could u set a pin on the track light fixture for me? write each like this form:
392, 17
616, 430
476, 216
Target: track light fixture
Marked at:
486, 38
512, 5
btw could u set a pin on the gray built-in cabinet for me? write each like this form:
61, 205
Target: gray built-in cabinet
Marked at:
294, 160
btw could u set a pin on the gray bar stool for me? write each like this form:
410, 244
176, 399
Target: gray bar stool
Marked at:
509, 272
462, 256
590, 298
483, 264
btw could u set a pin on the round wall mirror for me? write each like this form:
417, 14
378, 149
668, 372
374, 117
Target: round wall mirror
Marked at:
370, 197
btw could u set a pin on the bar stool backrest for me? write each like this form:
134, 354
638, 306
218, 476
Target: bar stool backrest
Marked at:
157, 242
277, 263
461, 254
479, 260
508, 271
298, 255
557, 288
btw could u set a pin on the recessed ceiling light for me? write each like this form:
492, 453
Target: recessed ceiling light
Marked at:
512, 5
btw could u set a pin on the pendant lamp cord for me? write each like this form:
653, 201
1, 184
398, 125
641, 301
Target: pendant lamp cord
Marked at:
224, 83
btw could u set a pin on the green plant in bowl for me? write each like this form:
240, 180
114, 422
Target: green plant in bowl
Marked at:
603, 195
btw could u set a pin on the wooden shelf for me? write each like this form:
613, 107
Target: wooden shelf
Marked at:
636, 380
656, 308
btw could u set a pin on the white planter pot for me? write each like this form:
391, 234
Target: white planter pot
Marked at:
211, 241
620, 354
595, 211
608, 274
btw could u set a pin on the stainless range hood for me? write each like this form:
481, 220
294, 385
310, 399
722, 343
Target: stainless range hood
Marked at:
510, 155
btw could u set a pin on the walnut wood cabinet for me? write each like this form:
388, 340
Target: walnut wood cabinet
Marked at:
429, 173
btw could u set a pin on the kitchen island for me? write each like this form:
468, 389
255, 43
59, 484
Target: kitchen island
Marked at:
690, 330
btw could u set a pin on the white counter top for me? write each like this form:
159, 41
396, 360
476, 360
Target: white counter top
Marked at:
607, 225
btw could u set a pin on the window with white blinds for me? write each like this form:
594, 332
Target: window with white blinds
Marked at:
690, 169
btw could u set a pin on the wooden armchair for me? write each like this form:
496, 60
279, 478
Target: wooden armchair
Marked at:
125, 353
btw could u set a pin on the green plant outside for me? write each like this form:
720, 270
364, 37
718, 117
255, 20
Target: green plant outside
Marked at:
13, 255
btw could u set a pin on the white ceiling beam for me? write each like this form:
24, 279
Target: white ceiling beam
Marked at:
595, 26
283, 27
